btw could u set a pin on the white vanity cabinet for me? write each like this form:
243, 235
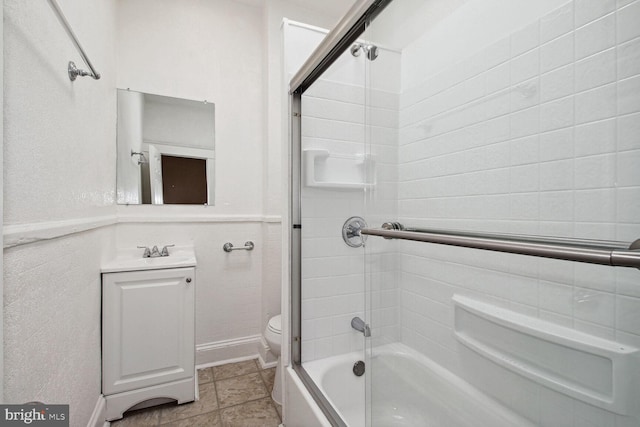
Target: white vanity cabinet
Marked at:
148, 337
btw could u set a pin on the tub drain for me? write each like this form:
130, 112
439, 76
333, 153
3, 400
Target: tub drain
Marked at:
358, 368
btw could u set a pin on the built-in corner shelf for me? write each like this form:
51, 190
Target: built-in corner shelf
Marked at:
323, 169
597, 371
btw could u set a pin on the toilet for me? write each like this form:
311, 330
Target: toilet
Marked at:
273, 336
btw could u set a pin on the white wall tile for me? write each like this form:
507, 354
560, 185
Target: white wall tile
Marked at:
557, 298
597, 277
556, 175
595, 70
596, 36
629, 132
525, 122
524, 179
595, 205
556, 206
498, 52
557, 53
557, 144
525, 95
525, 66
595, 171
557, 83
596, 104
628, 18
628, 314
628, 172
556, 23
628, 200
524, 150
629, 95
498, 77
590, 10
557, 114
629, 58
525, 39
594, 307
595, 138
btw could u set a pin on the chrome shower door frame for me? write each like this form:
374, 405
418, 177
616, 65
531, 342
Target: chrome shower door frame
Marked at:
350, 27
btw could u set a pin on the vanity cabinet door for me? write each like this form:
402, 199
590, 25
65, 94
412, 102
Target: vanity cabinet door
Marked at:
148, 328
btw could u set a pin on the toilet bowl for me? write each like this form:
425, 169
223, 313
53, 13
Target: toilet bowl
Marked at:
273, 336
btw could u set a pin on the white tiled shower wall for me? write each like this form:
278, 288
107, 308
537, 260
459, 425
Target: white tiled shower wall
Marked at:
333, 283
538, 133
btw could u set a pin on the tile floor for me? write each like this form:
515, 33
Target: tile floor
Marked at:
232, 395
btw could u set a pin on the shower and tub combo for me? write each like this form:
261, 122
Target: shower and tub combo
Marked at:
464, 215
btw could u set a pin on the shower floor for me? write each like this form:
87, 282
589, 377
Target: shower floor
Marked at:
236, 394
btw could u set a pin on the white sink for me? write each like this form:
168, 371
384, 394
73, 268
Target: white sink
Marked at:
132, 260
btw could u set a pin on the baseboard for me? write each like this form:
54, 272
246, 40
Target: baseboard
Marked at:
227, 351
266, 365
98, 416
265, 357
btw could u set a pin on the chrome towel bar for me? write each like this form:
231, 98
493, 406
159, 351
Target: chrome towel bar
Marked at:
72, 69
248, 246
617, 254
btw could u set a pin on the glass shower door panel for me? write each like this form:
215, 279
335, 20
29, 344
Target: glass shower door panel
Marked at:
334, 181
497, 117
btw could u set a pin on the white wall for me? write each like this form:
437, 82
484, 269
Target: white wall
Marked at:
185, 50
197, 59
59, 171
59, 211
530, 129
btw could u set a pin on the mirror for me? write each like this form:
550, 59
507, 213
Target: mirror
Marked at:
165, 150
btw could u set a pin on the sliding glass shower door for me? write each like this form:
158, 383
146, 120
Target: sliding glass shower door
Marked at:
512, 125
334, 165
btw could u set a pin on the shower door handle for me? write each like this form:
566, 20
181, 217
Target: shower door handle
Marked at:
359, 325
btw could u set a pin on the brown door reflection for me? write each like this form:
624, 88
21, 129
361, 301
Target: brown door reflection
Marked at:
184, 180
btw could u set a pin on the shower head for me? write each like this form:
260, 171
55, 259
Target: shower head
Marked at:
369, 49
372, 51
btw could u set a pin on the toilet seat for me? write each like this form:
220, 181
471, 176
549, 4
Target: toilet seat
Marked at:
275, 324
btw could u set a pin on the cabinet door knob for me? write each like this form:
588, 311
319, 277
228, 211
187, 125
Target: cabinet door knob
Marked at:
188, 279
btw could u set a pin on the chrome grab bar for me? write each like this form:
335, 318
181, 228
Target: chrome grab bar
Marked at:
72, 69
617, 254
228, 247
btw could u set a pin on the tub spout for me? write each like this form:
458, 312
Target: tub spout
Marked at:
359, 325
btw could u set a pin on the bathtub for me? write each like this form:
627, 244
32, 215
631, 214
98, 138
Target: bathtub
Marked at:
408, 389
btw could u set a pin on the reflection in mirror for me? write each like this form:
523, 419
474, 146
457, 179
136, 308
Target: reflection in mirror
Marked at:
165, 150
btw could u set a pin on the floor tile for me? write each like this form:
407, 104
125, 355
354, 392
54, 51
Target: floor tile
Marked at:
205, 375
259, 413
234, 369
268, 375
207, 403
240, 389
278, 408
142, 418
210, 419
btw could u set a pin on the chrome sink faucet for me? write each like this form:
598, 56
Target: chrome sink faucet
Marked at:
155, 252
